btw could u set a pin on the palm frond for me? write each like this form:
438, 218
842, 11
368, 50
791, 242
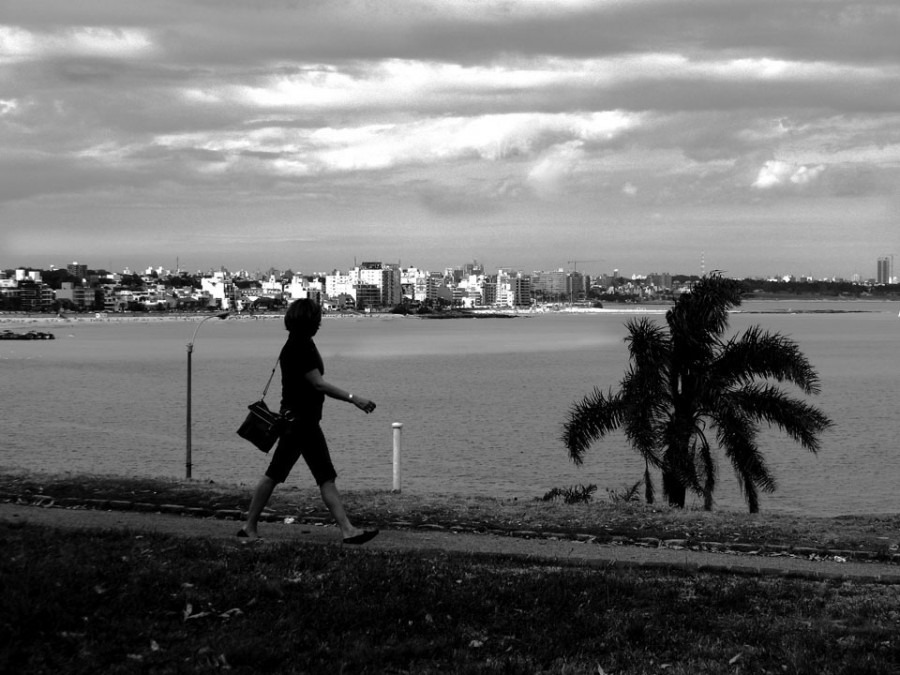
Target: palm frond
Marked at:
645, 405
589, 420
757, 354
802, 422
703, 312
648, 344
643, 435
736, 433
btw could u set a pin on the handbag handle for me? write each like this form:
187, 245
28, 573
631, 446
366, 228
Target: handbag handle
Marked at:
270, 378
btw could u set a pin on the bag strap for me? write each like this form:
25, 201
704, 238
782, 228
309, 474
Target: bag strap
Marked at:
270, 378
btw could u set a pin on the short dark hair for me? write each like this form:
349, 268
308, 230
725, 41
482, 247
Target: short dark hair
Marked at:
304, 317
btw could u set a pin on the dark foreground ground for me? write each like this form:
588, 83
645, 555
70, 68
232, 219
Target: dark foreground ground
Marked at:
104, 574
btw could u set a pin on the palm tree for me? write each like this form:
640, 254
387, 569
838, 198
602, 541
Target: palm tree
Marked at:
687, 387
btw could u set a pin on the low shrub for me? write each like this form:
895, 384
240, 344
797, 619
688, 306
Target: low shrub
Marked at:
577, 494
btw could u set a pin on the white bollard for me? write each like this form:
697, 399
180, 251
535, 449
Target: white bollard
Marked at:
398, 429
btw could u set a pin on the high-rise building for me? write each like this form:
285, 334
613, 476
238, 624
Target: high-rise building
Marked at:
386, 278
76, 270
577, 288
883, 273
521, 287
474, 268
549, 286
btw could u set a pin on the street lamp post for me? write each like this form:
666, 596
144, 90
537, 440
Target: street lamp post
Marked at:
190, 350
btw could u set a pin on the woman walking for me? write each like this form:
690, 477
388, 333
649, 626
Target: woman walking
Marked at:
303, 392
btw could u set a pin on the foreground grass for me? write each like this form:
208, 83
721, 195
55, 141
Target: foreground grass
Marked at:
121, 602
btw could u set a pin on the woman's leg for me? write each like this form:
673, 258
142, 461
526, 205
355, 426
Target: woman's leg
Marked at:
264, 490
332, 499
287, 452
319, 461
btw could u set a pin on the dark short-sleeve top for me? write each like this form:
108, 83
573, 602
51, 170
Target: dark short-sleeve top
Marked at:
299, 356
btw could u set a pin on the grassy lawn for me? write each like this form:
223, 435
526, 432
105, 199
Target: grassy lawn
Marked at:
120, 602
123, 602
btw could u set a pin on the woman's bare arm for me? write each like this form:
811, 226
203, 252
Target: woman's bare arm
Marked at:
314, 377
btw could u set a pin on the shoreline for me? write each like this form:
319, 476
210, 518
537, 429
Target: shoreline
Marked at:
11, 321
33, 320
15, 325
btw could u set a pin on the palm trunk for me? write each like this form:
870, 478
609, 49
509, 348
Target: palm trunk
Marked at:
677, 459
674, 489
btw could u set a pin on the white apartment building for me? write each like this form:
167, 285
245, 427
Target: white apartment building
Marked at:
337, 284
301, 287
369, 274
272, 287
386, 278
505, 293
472, 287
430, 287
373, 275
220, 290
412, 283
28, 275
421, 285
513, 289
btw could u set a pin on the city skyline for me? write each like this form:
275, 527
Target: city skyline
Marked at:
882, 270
757, 137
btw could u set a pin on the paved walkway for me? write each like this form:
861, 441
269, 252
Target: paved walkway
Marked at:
539, 551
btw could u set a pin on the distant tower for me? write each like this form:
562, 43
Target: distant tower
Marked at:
702, 263
77, 270
883, 271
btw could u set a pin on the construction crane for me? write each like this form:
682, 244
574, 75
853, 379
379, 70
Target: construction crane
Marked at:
574, 263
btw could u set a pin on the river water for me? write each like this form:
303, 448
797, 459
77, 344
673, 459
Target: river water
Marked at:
482, 402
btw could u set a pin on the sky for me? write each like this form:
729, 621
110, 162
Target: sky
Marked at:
757, 137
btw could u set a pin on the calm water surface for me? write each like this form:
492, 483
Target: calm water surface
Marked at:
482, 402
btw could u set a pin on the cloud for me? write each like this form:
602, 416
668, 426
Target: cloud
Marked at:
460, 31
637, 82
776, 174
19, 44
8, 106
468, 111
549, 175
423, 142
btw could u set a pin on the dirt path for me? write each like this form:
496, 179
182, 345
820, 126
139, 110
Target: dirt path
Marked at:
540, 551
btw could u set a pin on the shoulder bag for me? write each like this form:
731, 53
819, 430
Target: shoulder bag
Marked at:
262, 427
